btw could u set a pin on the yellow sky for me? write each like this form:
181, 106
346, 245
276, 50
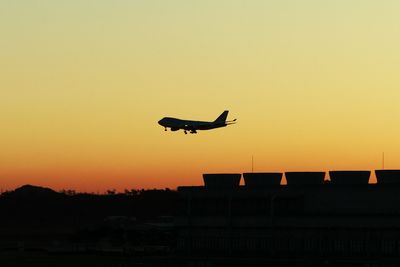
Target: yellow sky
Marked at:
314, 86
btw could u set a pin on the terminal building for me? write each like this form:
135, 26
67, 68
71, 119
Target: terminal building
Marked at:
309, 217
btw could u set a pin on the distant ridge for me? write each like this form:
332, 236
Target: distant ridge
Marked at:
32, 191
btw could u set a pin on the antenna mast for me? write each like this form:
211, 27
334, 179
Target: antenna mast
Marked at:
383, 160
252, 163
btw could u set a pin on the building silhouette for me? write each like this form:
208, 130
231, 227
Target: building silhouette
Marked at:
308, 221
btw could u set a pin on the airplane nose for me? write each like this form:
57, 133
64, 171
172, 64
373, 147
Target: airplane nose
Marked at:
160, 122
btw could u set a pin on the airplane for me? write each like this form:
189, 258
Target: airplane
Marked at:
194, 126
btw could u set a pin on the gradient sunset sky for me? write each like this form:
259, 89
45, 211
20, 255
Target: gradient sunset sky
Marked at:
315, 85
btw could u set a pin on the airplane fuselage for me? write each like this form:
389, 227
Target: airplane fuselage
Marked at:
189, 125
176, 124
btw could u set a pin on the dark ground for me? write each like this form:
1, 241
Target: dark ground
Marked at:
41, 227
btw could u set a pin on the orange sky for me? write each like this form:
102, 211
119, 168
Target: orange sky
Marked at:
314, 86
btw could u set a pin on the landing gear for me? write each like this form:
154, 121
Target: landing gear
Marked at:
185, 132
165, 129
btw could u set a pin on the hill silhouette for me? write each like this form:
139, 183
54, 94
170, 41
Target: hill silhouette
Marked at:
31, 192
32, 203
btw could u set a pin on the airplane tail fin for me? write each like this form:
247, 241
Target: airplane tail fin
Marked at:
222, 117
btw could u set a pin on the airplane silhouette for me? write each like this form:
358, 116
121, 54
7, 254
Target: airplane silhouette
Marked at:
194, 126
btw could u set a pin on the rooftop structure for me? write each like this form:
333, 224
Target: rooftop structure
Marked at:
388, 176
349, 177
221, 180
305, 178
262, 179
